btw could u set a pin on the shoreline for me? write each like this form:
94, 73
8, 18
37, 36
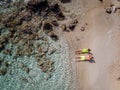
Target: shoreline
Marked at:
101, 35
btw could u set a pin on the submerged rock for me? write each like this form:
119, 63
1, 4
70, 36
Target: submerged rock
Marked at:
7, 51
6, 64
3, 71
51, 50
1, 61
25, 26
47, 27
26, 15
46, 66
54, 36
37, 5
24, 67
2, 47
55, 23
65, 1
24, 79
44, 48
55, 8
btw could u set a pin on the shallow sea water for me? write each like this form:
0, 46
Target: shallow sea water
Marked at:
36, 80
17, 79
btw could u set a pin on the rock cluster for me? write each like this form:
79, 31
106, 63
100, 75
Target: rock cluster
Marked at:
70, 27
26, 69
26, 26
44, 8
4, 66
65, 1
46, 66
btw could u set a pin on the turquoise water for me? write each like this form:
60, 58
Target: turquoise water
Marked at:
37, 80
17, 79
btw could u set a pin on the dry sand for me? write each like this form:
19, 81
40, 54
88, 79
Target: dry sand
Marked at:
102, 35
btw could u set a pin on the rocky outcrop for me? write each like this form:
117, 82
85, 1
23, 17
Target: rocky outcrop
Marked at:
65, 1
46, 66
37, 5
27, 25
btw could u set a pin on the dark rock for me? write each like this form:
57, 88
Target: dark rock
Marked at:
46, 66
26, 16
8, 1
75, 21
6, 64
2, 3
7, 51
48, 76
41, 63
64, 28
39, 49
44, 69
2, 47
54, 36
9, 20
26, 69
50, 63
109, 10
72, 25
27, 31
24, 79
3, 39
44, 48
101, 0
51, 50
1, 61
42, 54
55, 23
82, 29
56, 10
37, 5
65, 1
118, 78
27, 51
12, 31
18, 21
47, 27
15, 40
3, 71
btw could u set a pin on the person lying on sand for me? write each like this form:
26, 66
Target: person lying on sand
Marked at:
82, 51
84, 57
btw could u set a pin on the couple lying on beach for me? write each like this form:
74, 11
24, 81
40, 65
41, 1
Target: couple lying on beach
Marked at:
84, 55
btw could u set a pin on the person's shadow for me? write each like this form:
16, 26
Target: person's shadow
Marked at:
91, 61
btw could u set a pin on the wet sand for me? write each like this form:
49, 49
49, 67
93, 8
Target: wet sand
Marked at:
101, 35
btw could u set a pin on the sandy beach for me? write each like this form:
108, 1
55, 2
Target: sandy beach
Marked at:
38, 40
101, 34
